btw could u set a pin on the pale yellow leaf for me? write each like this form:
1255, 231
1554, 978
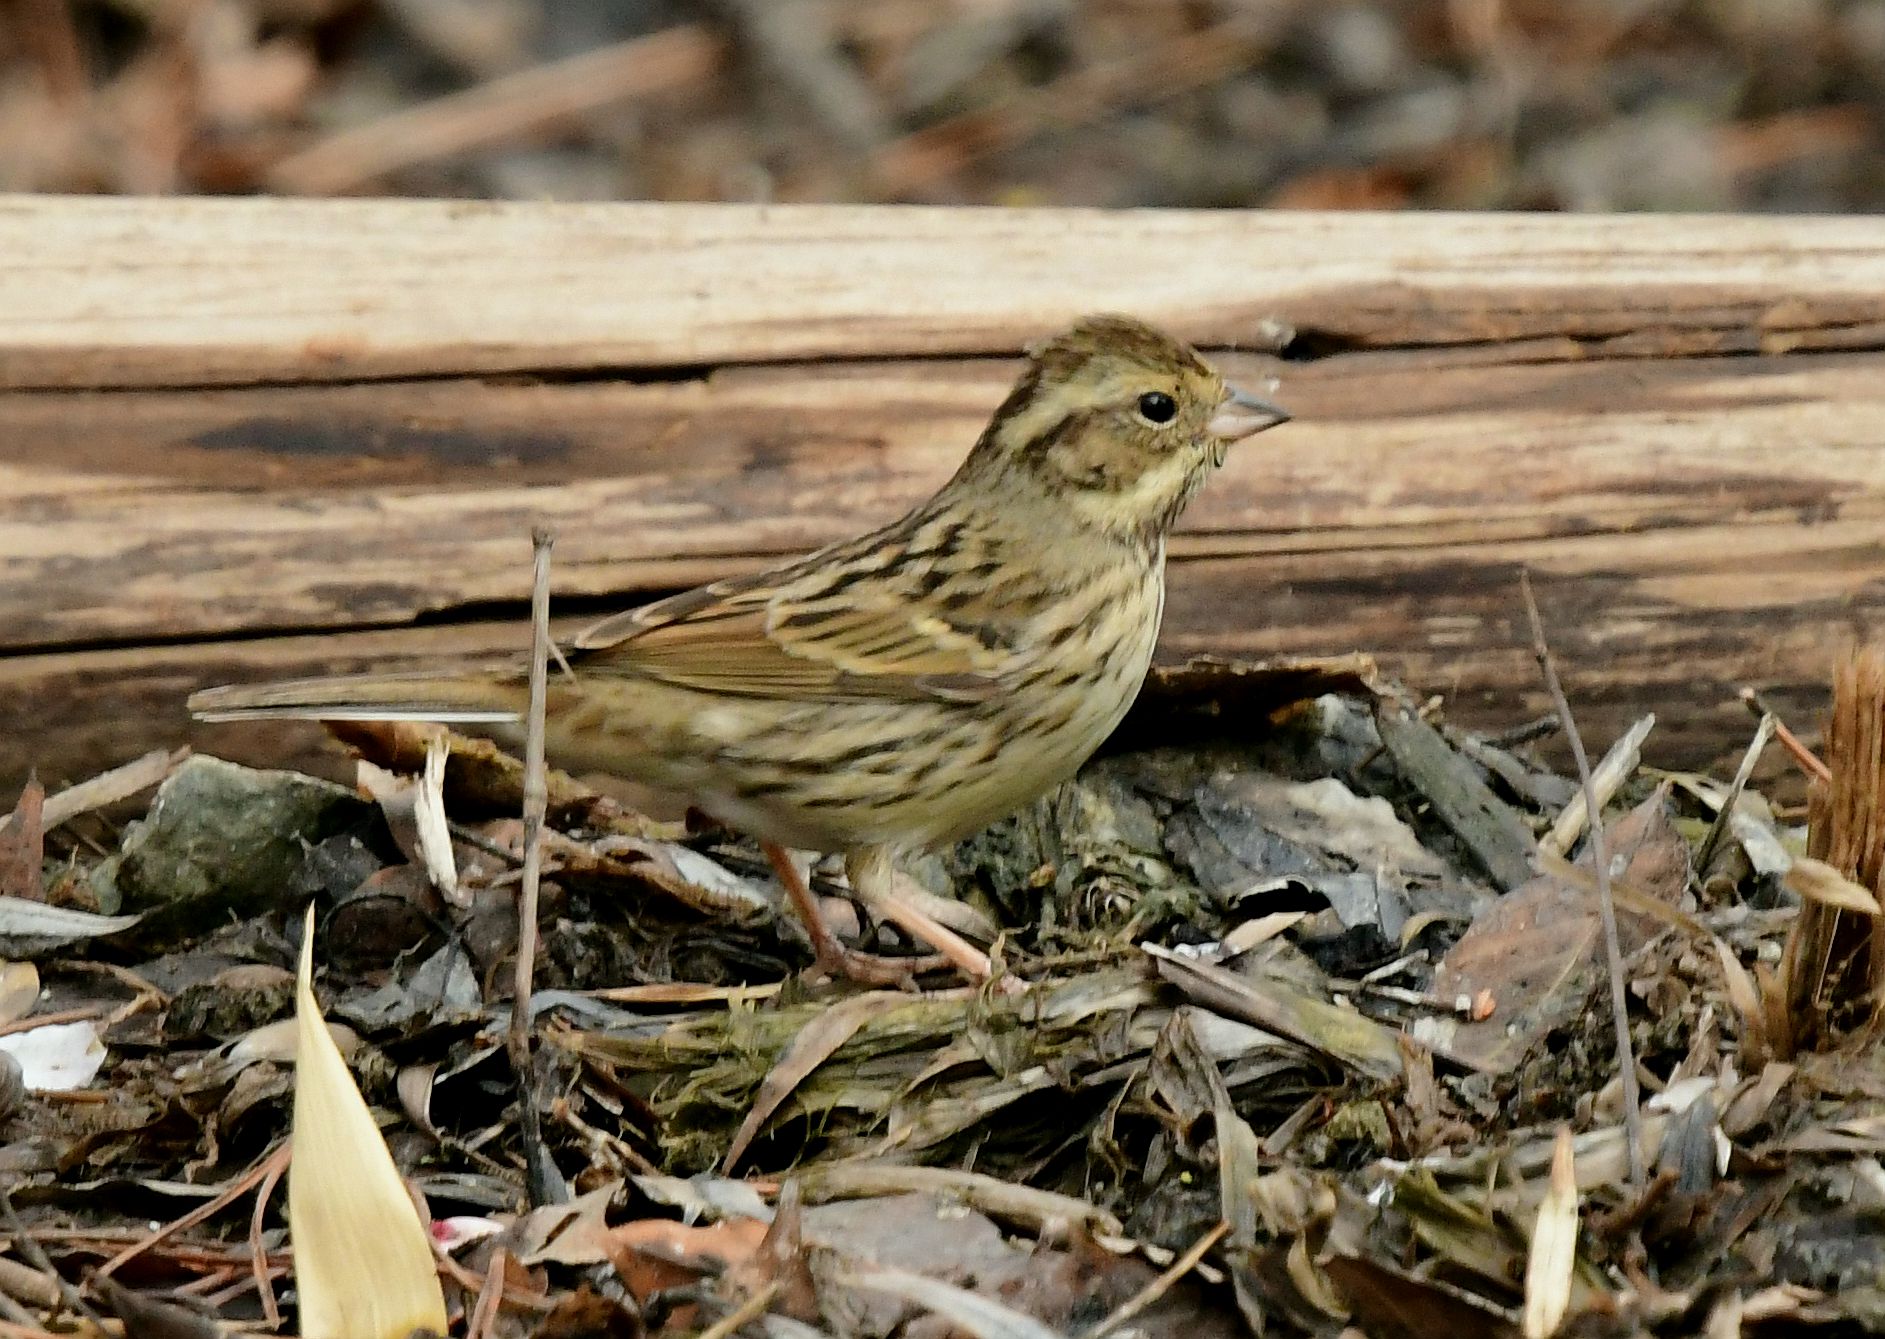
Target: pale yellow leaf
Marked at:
1553, 1257
19, 990
363, 1264
1817, 881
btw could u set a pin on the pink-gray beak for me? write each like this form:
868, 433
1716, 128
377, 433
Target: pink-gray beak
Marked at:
1242, 415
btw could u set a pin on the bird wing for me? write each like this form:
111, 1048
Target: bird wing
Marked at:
832, 632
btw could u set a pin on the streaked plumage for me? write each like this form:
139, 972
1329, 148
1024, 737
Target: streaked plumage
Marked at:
908, 687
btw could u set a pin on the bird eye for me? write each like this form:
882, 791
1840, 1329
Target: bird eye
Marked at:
1157, 407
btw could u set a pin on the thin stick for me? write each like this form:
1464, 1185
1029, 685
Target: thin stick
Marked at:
1803, 757
1161, 1285
546, 1184
120, 783
257, 1172
1615, 768
501, 110
748, 1311
1606, 906
1725, 815
17, 1314
258, 1255
30, 1250
83, 1013
513, 1300
484, 1315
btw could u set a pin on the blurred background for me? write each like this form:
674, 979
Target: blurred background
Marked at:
1476, 104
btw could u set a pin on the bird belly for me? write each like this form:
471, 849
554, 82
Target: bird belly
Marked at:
849, 775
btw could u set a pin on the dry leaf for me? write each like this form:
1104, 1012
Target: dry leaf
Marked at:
812, 1046
1817, 881
363, 1262
656, 1253
19, 990
1553, 1255
23, 847
1536, 949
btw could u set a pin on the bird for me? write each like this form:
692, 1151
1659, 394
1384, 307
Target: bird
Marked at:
902, 690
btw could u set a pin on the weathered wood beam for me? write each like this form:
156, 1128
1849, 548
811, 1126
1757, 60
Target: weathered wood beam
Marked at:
245, 438
114, 292
148, 515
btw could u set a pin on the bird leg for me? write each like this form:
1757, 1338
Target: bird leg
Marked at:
874, 879
832, 956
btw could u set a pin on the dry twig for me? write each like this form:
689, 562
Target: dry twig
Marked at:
1617, 767
1606, 905
258, 1254
546, 1184
490, 1297
268, 1167
119, 783
1158, 1287
1804, 757
29, 1248
1725, 815
1193, 60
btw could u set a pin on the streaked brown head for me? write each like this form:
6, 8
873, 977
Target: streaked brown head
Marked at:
1122, 420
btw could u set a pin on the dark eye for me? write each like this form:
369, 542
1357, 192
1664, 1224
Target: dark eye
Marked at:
1157, 407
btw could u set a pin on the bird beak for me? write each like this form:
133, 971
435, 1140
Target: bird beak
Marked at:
1242, 415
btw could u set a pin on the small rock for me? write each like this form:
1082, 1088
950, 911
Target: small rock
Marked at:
222, 843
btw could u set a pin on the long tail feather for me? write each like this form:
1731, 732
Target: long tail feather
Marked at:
448, 699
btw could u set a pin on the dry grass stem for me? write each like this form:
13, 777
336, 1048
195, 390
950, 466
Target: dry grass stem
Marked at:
1834, 962
1158, 1287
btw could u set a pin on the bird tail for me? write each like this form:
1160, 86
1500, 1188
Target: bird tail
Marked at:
451, 699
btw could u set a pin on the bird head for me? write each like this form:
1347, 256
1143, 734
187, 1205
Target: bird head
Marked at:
1120, 422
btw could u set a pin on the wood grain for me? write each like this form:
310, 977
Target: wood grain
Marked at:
1452, 626
154, 515
113, 292
259, 438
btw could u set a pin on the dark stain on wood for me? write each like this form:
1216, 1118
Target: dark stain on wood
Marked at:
354, 438
1679, 551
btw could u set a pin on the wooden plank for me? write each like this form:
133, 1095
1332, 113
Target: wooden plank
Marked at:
209, 441
1672, 622
157, 515
119, 292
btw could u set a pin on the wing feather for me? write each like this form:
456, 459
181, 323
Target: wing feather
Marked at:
839, 628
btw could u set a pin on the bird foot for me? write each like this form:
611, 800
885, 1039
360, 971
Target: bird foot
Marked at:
831, 955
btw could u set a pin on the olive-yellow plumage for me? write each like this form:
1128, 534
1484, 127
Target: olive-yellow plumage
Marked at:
908, 687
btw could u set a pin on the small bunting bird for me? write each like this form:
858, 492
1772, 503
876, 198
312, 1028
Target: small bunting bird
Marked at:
900, 690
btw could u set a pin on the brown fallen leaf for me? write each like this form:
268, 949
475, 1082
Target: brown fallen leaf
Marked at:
23, 846
651, 1254
1534, 951
780, 1270
1391, 1302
